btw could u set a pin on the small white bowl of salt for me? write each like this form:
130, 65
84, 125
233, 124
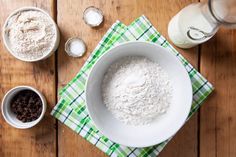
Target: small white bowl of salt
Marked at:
30, 34
93, 16
75, 47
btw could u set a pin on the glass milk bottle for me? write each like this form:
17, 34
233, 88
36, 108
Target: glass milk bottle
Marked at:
198, 22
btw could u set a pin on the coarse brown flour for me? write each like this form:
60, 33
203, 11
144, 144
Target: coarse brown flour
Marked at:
136, 90
31, 34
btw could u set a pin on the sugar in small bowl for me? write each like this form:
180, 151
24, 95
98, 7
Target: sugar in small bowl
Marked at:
23, 107
30, 34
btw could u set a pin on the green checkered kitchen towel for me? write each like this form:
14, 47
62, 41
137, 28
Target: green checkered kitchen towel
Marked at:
71, 108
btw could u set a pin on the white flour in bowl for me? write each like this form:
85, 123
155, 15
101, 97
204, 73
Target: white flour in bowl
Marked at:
31, 34
136, 90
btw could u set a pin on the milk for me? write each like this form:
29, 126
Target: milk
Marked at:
192, 26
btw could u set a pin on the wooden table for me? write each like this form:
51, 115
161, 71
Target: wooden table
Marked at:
210, 133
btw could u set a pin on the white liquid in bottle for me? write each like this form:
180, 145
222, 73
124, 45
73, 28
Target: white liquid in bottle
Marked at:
191, 26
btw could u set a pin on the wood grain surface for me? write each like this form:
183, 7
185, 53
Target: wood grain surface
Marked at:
210, 133
218, 118
40, 140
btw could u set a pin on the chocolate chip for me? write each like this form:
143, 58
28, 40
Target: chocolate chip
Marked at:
27, 106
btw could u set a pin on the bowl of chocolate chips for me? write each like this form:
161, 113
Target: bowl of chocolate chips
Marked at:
23, 107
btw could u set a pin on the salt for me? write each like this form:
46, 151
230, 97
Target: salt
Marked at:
93, 16
75, 47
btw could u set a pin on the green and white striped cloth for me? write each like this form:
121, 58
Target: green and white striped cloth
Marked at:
71, 108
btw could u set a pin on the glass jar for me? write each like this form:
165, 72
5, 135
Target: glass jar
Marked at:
198, 22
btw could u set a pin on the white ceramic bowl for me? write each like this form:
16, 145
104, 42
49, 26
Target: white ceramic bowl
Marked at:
163, 127
10, 117
49, 53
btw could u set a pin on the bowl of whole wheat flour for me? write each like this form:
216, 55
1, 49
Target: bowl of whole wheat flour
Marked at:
138, 94
30, 34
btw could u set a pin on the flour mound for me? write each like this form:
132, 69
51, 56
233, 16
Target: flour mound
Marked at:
136, 90
31, 34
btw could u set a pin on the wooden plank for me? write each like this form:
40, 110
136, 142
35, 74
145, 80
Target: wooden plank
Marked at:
41, 139
218, 119
71, 24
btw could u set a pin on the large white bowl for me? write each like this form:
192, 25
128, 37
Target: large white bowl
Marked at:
164, 126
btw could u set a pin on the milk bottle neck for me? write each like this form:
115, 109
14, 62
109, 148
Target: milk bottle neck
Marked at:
207, 12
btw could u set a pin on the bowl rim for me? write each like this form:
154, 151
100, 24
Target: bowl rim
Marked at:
55, 44
24, 87
188, 82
